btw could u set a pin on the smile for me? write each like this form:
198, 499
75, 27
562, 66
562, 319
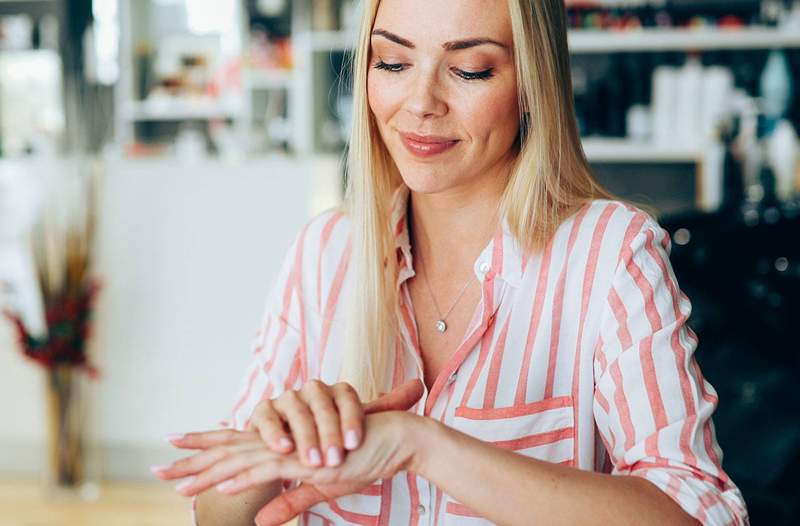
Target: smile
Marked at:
426, 146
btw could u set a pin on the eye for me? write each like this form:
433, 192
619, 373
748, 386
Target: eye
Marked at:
474, 75
394, 68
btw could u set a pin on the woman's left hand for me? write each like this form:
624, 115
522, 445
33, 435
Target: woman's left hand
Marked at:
237, 460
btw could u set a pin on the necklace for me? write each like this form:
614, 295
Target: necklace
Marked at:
441, 324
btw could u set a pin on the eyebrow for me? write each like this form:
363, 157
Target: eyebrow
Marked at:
448, 46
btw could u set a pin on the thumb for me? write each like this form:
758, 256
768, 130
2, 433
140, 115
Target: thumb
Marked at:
289, 505
400, 399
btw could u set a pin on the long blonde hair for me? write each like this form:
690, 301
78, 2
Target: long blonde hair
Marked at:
549, 180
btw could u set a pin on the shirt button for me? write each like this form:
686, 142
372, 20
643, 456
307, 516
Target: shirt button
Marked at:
484, 268
421, 509
452, 378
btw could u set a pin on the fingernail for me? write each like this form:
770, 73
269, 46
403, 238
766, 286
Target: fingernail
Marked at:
285, 443
314, 457
185, 484
174, 436
351, 439
334, 457
162, 467
225, 485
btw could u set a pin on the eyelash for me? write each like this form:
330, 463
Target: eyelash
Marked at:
466, 75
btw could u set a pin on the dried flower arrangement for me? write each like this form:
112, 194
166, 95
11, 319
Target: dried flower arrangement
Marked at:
62, 252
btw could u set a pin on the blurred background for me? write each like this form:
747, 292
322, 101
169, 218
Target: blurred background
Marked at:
157, 157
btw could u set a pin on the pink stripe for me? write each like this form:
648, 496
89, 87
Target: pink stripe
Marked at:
298, 276
538, 302
357, 518
558, 306
621, 315
588, 286
494, 413
621, 404
653, 394
414, 493
646, 289
333, 299
325, 236
494, 370
438, 506
293, 373
454, 508
386, 502
476, 372
598, 395
539, 439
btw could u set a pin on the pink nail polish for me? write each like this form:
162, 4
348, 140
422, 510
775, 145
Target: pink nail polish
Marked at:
285, 443
174, 436
314, 457
225, 485
185, 484
162, 467
351, 439
334, 457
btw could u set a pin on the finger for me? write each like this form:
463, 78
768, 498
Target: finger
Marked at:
207, 439
301, 423
270, 426
400, 399
189, 466
351, 413
226, 468
289, 505
286, 467
318, 397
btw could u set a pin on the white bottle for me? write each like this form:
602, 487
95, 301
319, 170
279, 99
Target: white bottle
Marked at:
689, 109
782, 155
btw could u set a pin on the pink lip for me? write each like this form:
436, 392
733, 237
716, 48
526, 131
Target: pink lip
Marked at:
426, 145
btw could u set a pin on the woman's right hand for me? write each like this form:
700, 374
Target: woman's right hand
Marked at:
315, 418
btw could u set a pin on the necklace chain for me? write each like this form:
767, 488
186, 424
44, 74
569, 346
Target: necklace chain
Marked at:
441, 324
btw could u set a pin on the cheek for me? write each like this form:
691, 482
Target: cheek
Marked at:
381, 100
493, 115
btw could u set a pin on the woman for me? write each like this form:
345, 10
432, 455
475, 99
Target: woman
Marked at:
526, 324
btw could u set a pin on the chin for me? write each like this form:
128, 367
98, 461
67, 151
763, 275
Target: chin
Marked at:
425, 181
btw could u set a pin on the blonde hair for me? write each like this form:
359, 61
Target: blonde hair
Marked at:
550, 179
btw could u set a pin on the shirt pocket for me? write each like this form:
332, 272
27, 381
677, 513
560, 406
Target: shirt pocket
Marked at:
544, 430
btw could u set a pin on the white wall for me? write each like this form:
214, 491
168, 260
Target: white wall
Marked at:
187, 253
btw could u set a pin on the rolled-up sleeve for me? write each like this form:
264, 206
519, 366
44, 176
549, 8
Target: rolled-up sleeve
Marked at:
652, 405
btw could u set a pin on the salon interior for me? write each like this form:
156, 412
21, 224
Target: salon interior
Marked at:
157, 157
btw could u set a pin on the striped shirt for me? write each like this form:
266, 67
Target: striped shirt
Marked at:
577, 354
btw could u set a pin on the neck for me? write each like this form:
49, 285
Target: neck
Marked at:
456, 223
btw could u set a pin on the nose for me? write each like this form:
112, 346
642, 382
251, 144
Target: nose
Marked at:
425, 98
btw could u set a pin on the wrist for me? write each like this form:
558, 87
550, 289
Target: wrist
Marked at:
420, 434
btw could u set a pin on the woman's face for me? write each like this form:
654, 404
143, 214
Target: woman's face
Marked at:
442, 87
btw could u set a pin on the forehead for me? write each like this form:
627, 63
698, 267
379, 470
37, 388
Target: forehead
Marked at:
429, 23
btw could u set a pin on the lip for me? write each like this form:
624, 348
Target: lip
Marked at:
427, 145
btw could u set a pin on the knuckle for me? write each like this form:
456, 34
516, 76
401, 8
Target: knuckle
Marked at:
314, 386
348, 389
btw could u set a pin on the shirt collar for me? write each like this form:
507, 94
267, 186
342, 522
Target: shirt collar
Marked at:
500, 258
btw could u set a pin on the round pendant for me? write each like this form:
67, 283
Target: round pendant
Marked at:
441, 326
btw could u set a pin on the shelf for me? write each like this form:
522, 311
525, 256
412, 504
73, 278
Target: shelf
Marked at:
177, 110
599, 41
607, 41
332, 40
267, 79
628, 151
